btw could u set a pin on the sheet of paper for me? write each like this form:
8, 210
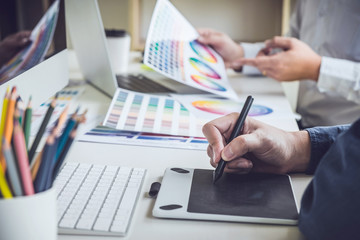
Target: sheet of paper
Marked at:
171, 49
141, 112
41, 37
65, 97
102, 134
267, 108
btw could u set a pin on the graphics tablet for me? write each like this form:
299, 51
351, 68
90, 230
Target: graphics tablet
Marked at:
256, 197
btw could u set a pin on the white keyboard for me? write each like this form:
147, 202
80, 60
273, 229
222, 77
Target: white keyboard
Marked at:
97, 199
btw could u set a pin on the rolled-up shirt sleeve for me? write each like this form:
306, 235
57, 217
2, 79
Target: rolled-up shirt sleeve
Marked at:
250, 51
322, 139
340, 76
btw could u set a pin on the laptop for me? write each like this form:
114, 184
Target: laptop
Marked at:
89, 42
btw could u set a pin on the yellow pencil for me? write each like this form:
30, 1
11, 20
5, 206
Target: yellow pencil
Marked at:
9, 123
4, 186
3, 117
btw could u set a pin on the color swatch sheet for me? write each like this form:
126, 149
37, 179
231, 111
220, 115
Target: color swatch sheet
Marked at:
102, 134
172, 49
41, 37
65, 97
133, 111
267, 108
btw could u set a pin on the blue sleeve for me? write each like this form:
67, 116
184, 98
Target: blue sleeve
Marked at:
330, 207
321, 140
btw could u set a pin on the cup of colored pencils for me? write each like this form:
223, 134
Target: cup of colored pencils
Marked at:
27, 199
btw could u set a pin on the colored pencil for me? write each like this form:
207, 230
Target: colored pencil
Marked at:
42, 129
9, 123
60, 122
63, 154
35, 165
27, 122
46, 159
3, 116
65, 135
23, 162
19, 107
13, 173
4, 186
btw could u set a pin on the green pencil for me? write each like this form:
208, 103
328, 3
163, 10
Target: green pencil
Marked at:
27, 123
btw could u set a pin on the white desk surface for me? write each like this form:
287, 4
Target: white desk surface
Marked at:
155, 160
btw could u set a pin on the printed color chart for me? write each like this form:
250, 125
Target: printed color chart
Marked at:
172, 49
224, 107
140, 112
210, 107
65, 97
102, 134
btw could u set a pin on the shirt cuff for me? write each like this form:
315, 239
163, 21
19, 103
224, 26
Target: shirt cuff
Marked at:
321, 139
339, 75
250, 51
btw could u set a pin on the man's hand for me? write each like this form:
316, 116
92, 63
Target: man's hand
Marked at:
261, 148
229, 50
12, 44
297, 61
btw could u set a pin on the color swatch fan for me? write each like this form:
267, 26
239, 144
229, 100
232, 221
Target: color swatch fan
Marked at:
172, 49
133, 111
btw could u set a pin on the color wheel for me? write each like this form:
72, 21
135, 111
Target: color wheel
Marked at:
225, 107
205, 82
204, 68
203, 51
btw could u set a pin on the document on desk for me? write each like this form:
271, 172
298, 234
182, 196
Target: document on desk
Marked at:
65, 97
266, 108
103, 134
133, 111
172, 50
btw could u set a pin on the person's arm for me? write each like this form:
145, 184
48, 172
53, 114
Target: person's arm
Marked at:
321, 140
330, 205
251, 50
340, 76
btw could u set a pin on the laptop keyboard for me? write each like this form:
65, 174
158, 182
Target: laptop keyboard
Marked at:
97, 199
140, 83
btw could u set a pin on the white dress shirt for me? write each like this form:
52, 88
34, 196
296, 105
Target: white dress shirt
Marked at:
332, 29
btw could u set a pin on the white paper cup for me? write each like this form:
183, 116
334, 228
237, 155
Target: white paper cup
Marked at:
119, 49
29, 217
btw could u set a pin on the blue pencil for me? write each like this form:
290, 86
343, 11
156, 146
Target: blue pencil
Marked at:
46, 163
63, 154
64, 136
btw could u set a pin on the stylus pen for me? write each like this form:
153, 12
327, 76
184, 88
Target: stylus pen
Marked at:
218, 172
